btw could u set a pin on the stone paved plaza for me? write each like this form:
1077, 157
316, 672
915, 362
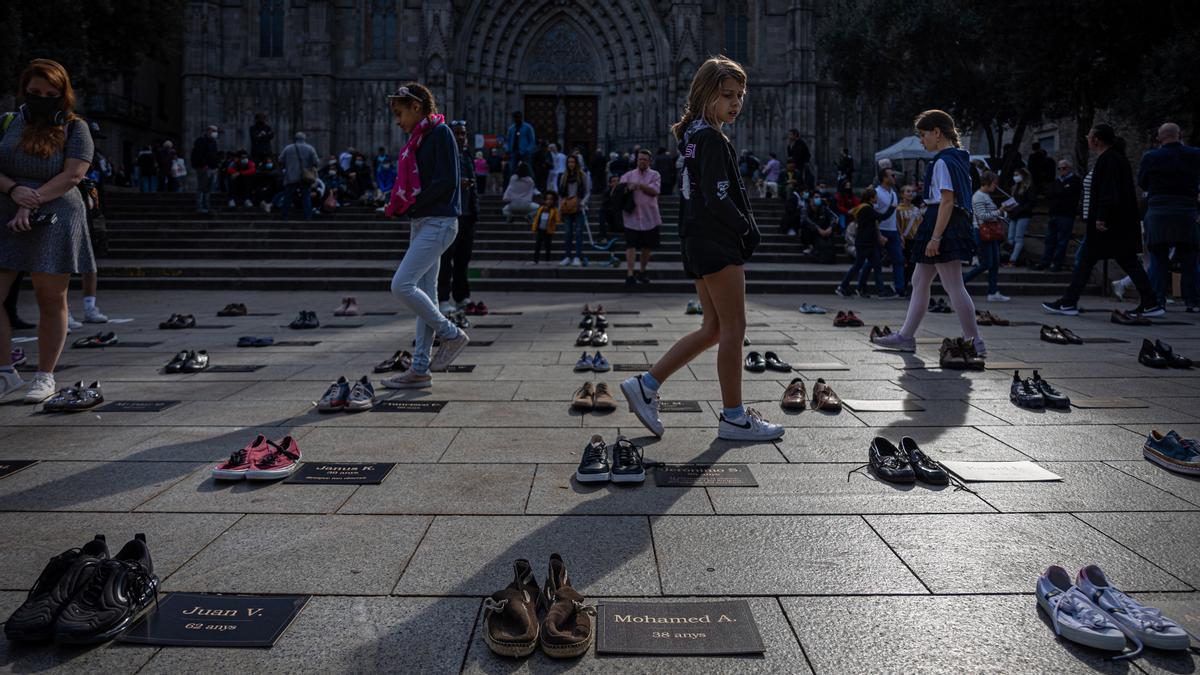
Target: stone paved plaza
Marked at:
842, 576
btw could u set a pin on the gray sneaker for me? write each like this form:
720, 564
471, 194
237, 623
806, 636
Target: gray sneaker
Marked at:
362, 396
897, 342
449, 351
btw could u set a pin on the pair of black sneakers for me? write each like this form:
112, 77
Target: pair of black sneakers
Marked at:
84, 597
905, 464
625, 466
187, 361
305, 320
1036, 393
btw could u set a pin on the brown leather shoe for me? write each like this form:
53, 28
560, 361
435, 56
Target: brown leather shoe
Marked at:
510, 615
795, 397
584, 400
824, 397
603, 401
983, 318
876, 332
971, 358
950, 355
568, 628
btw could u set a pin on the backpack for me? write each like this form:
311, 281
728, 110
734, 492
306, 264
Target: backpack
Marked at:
624, 196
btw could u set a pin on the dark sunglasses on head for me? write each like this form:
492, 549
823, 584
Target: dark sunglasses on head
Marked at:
458, 123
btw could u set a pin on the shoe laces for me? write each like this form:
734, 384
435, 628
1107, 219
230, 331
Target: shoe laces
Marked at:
1147, 618
628, 453
494, 606
57, 565
1075, 603
274, 457
596, 452
138, 578
755, 417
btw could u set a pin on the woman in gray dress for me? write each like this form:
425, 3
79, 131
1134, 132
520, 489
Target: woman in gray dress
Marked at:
44, 153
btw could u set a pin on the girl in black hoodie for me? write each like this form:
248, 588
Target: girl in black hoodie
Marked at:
718, 234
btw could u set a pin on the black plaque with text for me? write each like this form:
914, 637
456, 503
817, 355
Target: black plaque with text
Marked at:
677, 628
10, 466
409, 406
340, 473
297, 343
635, 343
231, 369
704, 475
480, 343
212, 620
465, 368
679, 406
630, 367
136, 406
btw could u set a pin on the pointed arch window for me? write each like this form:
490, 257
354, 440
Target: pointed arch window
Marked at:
270, 28
737, 29
381, 27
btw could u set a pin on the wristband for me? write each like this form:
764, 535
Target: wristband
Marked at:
935, 239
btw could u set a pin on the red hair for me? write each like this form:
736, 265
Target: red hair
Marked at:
43, 140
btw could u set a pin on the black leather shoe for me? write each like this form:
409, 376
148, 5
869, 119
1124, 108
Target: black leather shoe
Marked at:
585, 337
176, 364
925, 469
588, 321
888, 463
169, 323
595, 466
755, 362
400, 361
1149, 356
1053, 397
63, 577
1174, 360
601, 321
1052, 334
196, 361
599, 338
1024, 394
774, 363
1071, 337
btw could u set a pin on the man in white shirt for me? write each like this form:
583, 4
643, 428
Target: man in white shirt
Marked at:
887, 200
559, 168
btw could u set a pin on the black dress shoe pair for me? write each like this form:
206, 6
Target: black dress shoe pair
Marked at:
759, 363
594, 321
1059, 335
939, 306
95, 341
1123, 318
305, 320
233, 309
178, 321
1160, 355
906, 464
399, 362
188, 362
1036, 393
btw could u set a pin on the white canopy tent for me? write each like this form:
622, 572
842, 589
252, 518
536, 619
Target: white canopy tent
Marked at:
909, 149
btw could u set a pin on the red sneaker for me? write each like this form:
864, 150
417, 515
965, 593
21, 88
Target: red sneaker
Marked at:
481, 309
470, 309
280, 461
351, 307
599, 309
240, 462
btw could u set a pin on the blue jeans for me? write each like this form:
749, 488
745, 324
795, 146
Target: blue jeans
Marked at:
895, 249
573, 230
1016, 237
149, 183
865, 259
1058, 237
289, 192
989, 259
415, 283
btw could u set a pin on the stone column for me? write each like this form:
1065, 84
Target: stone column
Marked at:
316, 95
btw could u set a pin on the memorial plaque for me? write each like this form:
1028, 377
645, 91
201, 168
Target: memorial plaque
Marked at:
999, 472
621, 311
231, 369
704, 475
492, 325
327, 473
212, 620
466, 368
296, 343
677, 628
504, 313
136, 406
262, 314
630, 367
633, 325
10, 466
410, 406
892, 405
480, 343
679, 406
215, 327
379, 313
1108, 403
136, 345
819, 366
635, 343
343, 325
1008, 365
1173, 323
32, 367
1103, 341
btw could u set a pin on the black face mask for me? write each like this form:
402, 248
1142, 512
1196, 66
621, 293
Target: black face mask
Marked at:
43, 108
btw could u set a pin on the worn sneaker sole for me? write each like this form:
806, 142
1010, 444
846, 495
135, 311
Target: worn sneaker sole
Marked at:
271, 474
228, 474
629, 477
568, 651
630, 396
359, 406
1065, 311
421, 384
121, 627
515, 649
1190, 468
592, 477
735, 434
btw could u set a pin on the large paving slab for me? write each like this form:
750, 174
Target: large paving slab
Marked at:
473, 555
201, 493
1085, 486
851, 445
1070, 442
776, 555
446, 489
17, 657
1165, 539
1184, 487
89, 486
348, 635
304, 554
556, 492
1005, 553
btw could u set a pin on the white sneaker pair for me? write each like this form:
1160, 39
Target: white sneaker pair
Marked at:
644, 404
94, 315
998, 297
41, 387
751, 427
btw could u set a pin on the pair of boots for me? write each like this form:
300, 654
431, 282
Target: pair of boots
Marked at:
511, 615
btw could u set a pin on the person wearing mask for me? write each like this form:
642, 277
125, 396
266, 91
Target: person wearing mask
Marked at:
300, 163
166, 165
1019, 215
846, 202
360, 183
1111, 212
886, 202
818, 219
261, 135
385, 175
453, 280
334, 180
984, 209
268, 182
518, 196
717, 235
205, 158
1062, 199
943, 240
521, 141
1170, 176
545, 222
771, 175
346, 159
642, 224
573, 191
44, 155
867, 243
241, 179
429, 191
